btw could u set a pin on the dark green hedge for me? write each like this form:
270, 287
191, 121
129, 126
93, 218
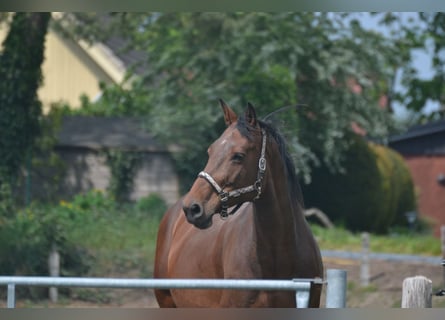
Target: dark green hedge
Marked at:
397, 185
372, 195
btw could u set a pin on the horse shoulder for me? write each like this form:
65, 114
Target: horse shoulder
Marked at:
163, 245
239, 252
164, 239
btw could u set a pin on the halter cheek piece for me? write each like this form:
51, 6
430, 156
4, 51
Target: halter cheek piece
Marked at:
224, 196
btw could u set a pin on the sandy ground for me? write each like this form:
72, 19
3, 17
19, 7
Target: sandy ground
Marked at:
385, 288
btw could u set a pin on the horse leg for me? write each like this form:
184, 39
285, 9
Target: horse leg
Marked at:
164, 238
164, 298
242, 299
315, 295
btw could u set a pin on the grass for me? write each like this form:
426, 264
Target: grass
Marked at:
119, 242
126, 240
402, 242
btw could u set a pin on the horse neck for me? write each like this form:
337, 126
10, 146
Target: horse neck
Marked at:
279, 218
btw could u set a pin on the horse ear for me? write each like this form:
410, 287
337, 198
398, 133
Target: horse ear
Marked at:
229, 116
251, 115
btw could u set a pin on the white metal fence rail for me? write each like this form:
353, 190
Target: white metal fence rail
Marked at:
335, 281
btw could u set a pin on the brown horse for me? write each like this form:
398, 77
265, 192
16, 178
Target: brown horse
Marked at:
267, 237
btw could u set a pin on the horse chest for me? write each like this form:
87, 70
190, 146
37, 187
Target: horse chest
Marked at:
214, 253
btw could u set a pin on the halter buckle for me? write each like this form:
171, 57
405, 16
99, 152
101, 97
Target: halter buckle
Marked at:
224, 214
262, 164
257, 186
224, 196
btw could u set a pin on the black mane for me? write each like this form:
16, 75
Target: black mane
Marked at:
294, 186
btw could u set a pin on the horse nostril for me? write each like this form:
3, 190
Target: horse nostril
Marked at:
194, 211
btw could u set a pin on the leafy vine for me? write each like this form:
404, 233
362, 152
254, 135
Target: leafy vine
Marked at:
123, 165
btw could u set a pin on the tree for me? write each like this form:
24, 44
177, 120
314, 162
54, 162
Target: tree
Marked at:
424, 32
20, 108
271, 59
330, 63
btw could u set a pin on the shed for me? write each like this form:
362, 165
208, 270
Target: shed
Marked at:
82, 142
423, 148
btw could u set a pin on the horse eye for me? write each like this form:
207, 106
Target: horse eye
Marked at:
238, 157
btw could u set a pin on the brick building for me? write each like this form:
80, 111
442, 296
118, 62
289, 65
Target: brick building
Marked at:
423, 148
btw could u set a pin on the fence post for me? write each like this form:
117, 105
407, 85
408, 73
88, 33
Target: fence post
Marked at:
364, 266
336, 288
417, 292
54, 271
442, 237
10, 303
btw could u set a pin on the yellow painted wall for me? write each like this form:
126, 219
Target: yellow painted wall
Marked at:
68, 72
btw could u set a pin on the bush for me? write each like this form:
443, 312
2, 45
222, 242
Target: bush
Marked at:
352, 199
374, 193
26, 240
397, 186
28, 235
154, 205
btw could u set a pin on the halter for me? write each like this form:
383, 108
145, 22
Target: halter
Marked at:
224, 196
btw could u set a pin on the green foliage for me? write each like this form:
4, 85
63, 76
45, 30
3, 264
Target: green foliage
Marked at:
273, 60
270, 59
373, 195
116, 100
123, 165
404, 242
46, 165
21, 76
94, 234
6, 201
20, 109
353, 198
28, 236
89, 204
121, 237
424, 33
396, 185
152, 204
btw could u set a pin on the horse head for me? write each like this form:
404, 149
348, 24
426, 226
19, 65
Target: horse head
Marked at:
234, 170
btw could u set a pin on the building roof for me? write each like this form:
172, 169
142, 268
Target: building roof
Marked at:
129, 58
421, 130
112, 54
107, 132
426, 139
119, 46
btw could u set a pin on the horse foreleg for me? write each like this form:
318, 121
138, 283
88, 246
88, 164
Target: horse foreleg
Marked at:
164, 298
315, 295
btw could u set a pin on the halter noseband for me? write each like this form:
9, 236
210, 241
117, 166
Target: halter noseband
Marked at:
225, 196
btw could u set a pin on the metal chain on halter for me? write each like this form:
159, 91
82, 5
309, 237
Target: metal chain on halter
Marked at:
257, 186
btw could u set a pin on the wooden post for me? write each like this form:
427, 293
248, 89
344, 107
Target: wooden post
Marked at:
364, 266
417, 292
54, 271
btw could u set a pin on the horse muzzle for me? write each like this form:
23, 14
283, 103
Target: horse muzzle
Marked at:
195, 215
